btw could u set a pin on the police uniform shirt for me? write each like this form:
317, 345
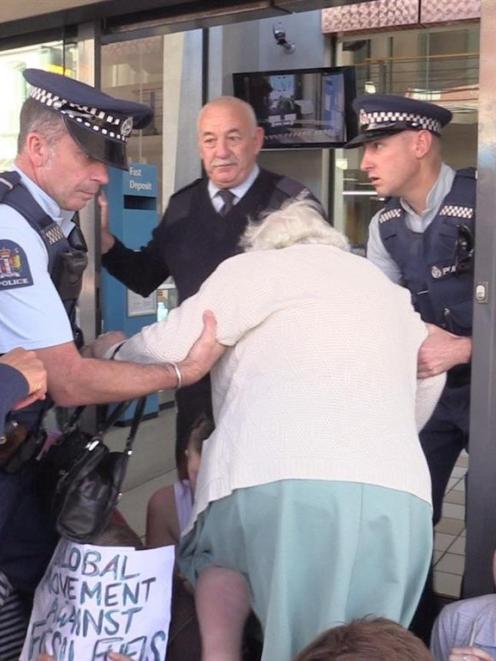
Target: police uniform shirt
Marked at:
238, 191
377, 253
32, 314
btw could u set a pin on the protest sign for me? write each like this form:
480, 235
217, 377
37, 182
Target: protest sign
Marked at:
97, 599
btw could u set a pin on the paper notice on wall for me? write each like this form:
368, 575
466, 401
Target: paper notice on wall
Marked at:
138, 306
97, 599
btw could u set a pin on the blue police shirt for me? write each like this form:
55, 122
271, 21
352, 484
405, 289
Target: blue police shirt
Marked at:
31, 312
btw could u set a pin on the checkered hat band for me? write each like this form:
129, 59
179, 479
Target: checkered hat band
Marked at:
92, 118
371, 121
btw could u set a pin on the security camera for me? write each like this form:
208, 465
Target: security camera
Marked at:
279, 34
280, 37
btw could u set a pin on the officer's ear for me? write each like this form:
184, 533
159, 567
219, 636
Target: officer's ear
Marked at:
423, 143
37, 148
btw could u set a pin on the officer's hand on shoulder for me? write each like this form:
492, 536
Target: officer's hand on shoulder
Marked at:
203, 354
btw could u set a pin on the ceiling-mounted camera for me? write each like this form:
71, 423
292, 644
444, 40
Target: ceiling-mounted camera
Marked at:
280, 37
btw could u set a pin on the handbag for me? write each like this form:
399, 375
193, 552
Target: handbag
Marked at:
80, 479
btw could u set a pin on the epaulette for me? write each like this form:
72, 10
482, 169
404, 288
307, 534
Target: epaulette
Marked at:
187, 187
468, 173
293, 188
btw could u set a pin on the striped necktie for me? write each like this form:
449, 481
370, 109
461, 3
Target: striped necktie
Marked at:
228, 199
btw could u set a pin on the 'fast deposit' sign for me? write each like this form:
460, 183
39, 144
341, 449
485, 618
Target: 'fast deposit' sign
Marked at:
97, 599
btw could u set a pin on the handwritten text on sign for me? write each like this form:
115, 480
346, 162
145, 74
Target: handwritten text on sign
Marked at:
97, 599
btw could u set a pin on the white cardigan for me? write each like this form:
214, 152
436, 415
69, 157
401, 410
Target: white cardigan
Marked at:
320, 380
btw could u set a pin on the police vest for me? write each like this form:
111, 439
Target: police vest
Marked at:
23, 522
66, 262
437, 265
66, 256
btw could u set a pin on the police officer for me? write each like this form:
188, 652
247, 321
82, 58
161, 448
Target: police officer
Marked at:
203, 223
423, 238
69, 133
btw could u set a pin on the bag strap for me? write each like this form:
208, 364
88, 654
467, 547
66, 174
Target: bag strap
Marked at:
112, 419
114, 416
75, 415
137, 417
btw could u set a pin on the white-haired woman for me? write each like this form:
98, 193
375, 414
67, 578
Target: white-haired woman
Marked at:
313, 488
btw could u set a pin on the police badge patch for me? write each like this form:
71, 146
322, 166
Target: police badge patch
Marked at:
14, 267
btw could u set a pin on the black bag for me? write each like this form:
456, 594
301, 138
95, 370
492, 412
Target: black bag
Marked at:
80, 478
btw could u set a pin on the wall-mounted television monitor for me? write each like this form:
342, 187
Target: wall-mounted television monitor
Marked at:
302, 107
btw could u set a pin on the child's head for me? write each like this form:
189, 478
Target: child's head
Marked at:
201, 430
366, 640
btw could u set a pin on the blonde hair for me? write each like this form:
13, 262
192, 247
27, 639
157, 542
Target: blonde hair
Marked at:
297, 221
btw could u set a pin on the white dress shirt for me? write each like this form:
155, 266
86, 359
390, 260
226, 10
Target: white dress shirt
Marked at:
238, 191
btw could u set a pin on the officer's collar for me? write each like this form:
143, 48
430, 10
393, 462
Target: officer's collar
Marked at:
63, 217
437, 193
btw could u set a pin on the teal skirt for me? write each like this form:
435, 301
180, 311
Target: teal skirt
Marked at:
316, 554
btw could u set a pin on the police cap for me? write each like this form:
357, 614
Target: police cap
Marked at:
99, 123
380, 115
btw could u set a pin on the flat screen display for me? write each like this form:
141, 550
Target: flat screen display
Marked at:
303, 107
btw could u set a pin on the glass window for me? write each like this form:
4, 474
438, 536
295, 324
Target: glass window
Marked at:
133, 70
51, 56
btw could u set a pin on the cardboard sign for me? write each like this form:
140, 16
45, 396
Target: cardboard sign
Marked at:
97, 599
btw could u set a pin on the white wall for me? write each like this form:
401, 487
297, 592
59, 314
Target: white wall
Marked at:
251, 46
